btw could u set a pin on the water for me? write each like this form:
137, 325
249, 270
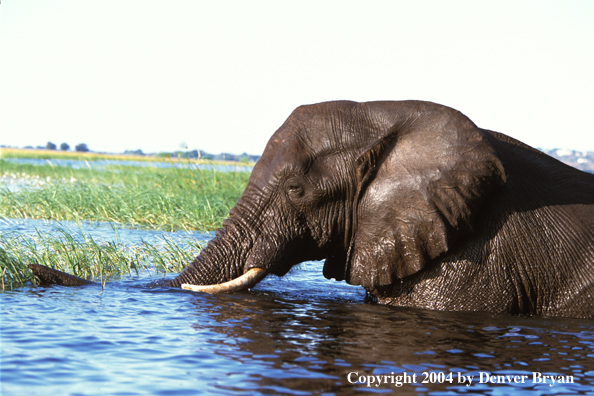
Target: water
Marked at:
101, 164
297, 335
98, 229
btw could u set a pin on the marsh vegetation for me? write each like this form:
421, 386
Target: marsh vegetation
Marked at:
167, 199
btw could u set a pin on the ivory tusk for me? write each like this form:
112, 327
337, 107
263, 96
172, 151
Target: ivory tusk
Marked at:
245, 281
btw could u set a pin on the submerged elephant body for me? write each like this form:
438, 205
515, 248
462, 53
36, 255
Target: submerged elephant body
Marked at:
417, 204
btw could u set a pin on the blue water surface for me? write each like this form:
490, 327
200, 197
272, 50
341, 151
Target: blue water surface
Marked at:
296, 335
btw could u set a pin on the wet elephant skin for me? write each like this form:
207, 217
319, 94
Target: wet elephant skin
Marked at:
414, 202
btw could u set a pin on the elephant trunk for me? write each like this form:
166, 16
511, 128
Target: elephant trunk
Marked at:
222, 266
49, 276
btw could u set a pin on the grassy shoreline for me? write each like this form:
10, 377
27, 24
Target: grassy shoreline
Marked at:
144, 197
9, 152
168, 199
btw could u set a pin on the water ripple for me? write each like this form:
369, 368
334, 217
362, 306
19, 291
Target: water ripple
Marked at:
298, 335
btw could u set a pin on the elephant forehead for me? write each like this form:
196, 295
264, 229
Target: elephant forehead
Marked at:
333, 125
300, 140
285, 151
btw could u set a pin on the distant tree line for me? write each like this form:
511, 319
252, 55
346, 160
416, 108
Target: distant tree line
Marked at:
133, 152
190, 154
64, 147
200, 154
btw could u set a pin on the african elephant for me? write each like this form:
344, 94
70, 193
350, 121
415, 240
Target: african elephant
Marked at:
414, 202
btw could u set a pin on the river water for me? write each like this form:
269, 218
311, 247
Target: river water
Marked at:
296, 335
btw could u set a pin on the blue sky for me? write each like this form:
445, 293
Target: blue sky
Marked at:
224, 75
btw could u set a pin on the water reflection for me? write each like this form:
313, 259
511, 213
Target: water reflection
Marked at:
301, 345
298, 335
287, 336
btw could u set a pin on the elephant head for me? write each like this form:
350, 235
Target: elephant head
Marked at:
377, 189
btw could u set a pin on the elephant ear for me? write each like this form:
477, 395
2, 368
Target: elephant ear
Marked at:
420, 188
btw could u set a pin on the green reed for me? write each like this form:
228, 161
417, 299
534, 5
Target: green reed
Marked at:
89, 258
140, 197
150, 198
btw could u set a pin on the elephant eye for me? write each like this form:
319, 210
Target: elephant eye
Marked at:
295, 189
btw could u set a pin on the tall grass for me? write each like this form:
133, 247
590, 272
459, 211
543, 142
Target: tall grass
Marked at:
151, 198
141, 197
88, 258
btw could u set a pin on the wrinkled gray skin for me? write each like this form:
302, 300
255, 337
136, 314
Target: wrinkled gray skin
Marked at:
417, 204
